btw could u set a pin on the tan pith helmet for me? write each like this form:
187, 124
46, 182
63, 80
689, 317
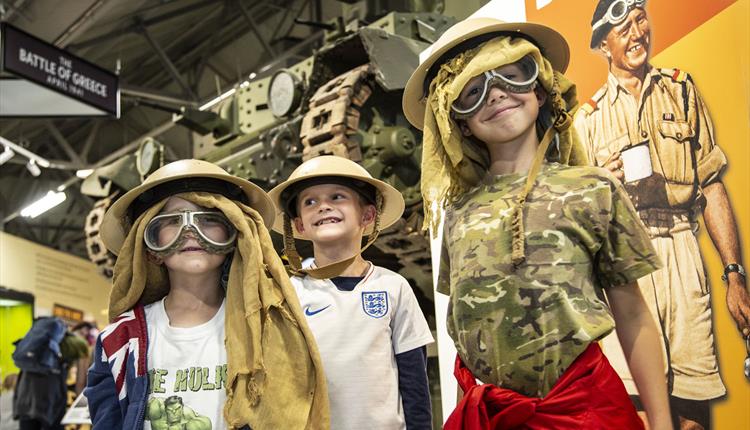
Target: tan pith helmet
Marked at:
551, 43
196, 175
334, 166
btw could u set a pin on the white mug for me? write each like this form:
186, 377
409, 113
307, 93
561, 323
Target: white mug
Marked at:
636, 162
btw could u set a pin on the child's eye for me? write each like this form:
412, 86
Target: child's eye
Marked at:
338, 196
308, 202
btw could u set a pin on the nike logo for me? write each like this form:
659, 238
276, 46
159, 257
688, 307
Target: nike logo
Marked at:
310, 313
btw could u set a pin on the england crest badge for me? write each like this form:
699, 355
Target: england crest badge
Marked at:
375, 303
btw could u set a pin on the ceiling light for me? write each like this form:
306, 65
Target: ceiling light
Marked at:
216, 100
49, 201
84, 173
6, 155
20, 150
33, 168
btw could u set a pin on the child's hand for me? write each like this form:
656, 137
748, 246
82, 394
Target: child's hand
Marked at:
614, 165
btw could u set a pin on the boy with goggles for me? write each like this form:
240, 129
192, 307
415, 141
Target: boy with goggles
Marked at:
534, 240
197, 290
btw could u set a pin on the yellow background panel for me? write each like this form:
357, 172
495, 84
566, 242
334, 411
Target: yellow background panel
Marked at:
716, 56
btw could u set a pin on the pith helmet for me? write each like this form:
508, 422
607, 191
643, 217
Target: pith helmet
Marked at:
551, 43
337, 167
196, 175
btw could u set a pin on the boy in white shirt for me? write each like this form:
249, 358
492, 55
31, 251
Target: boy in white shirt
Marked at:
365, 319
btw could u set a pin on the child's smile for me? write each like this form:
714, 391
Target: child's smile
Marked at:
329, 212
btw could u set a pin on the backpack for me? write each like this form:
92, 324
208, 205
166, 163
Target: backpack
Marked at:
39, 350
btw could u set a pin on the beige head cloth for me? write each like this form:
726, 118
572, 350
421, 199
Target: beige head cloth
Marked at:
272, 357
452, 164
389, 205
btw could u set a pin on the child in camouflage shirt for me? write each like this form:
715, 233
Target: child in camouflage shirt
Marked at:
540, 253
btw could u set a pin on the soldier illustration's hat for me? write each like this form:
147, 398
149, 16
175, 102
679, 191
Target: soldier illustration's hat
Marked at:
468, 33
331, 169
607, 14
174, 178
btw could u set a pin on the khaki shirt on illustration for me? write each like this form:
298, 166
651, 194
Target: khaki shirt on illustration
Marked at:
671, 116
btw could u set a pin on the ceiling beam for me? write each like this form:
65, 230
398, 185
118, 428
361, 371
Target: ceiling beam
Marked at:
72, 154
167, 62
134, 28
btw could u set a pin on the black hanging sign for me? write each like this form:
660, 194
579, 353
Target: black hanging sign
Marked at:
36, 60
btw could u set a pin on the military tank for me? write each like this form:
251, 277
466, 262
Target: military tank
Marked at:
344, 100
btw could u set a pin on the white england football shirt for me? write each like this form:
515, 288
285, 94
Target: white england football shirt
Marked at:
187, 372
359, 332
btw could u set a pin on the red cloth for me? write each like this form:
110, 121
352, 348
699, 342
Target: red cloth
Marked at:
589, 395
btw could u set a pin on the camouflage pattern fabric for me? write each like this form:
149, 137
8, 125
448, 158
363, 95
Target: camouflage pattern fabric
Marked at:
522, 328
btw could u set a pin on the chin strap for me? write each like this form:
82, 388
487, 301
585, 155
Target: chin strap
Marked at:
518, 250
330, 270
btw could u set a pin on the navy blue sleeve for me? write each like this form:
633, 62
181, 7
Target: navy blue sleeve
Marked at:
414, 388
104, 406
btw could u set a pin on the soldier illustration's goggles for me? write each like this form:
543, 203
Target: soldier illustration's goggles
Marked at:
518, 77
212, 230
617, 12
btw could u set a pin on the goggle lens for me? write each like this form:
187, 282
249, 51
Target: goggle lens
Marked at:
213, 226
518, 77
617, 12
164, 230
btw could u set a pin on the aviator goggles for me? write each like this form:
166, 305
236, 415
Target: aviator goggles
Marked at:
166, 233
617, 12
518, 77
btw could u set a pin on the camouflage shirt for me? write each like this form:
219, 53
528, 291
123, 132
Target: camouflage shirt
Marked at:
522, 329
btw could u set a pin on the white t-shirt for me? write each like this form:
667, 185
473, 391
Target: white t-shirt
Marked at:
359, 332
188, 366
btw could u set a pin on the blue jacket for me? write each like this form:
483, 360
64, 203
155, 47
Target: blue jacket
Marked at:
117, 386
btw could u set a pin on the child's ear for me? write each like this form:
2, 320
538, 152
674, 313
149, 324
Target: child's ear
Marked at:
541, 95
465, 130
154, 259
368, 215
298, 224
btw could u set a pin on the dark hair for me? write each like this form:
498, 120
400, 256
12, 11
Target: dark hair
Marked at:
183, 185
289, 196
83, 324
172, 400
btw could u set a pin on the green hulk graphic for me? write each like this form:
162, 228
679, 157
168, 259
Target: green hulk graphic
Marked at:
172, 414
